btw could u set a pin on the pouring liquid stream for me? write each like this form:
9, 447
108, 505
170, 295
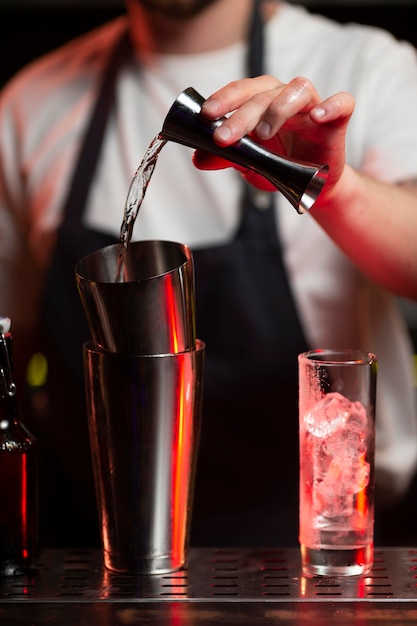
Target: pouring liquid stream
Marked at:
303, 182
135, 197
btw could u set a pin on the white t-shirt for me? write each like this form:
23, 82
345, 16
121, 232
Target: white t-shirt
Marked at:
44, 112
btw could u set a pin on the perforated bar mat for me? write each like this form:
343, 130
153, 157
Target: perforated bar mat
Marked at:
221, 575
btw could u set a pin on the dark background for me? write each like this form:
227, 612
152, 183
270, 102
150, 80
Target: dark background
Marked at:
29, 28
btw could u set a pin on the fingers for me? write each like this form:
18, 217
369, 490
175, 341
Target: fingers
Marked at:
338, 107
290, 119
261, 104
298, 96
243, 102
207, 161
235, 94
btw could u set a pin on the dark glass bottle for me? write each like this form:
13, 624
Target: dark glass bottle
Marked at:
18, 474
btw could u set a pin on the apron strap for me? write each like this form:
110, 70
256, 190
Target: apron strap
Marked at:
85, 168
255, 55
90, 150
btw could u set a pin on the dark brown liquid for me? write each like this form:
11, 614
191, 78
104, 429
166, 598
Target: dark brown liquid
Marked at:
18, 476
135, 197
18, 494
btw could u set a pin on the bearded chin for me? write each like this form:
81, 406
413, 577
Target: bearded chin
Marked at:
176, 9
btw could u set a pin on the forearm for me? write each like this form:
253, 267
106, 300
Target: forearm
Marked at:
375, 224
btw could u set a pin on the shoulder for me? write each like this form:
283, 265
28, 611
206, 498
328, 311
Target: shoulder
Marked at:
43, 108
43, 112
66, 71
325, 39
364, 60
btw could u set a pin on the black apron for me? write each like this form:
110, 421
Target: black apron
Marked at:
246, 489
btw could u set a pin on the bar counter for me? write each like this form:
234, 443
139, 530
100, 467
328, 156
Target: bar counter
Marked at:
223, 587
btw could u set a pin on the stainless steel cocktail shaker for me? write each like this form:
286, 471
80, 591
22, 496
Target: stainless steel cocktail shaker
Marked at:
143, 380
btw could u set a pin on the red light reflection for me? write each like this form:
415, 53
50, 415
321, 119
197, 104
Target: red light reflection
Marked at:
24, 507
172, 317
182, 456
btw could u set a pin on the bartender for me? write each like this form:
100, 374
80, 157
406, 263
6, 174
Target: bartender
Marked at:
269, 283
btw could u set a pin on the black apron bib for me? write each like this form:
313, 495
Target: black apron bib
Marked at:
247, 478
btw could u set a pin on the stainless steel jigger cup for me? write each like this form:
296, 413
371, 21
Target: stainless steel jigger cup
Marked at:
144, 423
300, 183
152, 310
337, 458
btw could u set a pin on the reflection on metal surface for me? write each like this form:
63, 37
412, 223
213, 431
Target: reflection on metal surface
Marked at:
215, 575
144, 415
152, 310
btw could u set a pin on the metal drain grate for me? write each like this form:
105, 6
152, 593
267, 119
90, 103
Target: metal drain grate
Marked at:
213, 574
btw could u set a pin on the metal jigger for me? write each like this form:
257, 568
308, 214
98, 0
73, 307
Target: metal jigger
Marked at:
299, 182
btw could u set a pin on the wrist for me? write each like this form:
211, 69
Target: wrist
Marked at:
339, 194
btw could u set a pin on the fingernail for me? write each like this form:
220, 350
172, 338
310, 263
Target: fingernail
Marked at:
211, 106
263, 130
223, 132
319, 112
